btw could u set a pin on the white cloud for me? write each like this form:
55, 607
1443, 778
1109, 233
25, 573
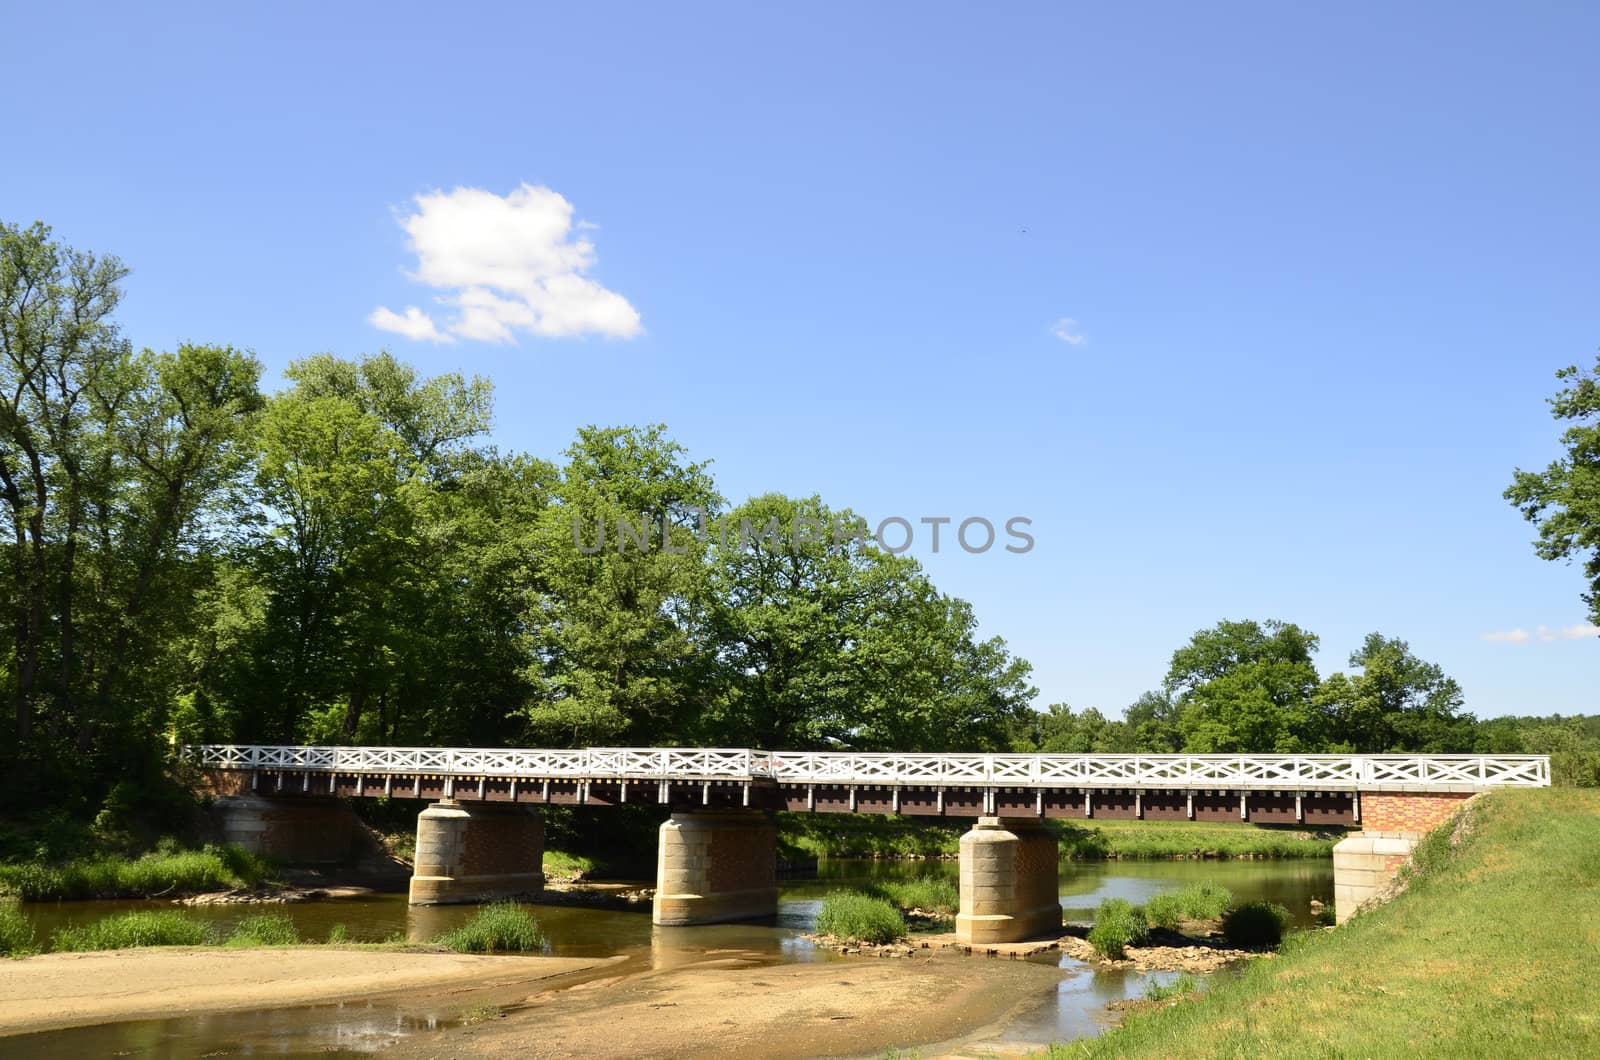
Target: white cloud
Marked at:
413, 324
1580, 631
507, 265
1066, 329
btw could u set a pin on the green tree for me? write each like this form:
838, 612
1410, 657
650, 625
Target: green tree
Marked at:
619, 651
120, 475
1247, 687
1397, 702
1058, 729
1563, 500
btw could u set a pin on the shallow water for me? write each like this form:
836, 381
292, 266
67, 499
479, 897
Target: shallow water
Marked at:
1071, 1008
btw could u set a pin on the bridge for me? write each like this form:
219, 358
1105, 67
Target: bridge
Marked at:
478, 838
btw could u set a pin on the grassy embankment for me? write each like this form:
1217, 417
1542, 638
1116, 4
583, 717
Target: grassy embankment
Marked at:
501, 927
1488, 953
173, 872
870, 836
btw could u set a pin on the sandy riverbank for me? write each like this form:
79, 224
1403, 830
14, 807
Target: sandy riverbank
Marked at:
75, 989
733, 1007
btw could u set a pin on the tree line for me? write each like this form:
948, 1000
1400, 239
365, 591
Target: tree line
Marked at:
349, 559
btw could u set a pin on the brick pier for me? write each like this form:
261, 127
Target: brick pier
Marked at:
1392, 823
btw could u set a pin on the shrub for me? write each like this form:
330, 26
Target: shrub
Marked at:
1118, 924
500, 927
264, 929
1255, 924
851, 915
130, 930
930, 894
16, 932
1183, 984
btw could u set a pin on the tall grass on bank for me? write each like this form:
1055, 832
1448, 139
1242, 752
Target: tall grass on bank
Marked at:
16, 932
264, 929
1203, 901
1490, 949
929, 894
1118, 924
131, 930
860, 917
500, 927
183, 872
560, 865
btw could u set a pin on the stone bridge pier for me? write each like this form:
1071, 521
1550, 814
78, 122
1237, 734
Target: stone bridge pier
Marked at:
477, 852
298, 831
1010, 876
716, 866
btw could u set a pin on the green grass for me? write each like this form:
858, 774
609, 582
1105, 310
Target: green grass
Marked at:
131, 930
559, 865
1489, 953
179, 872
861, 917
16, 932
1118, 924
1202, 901
338, 935
929, 894
500, 927
264, 929
878, 836
1255, 924
1183, 985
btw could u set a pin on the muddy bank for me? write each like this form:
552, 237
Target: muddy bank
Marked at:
735, 1007
74, 989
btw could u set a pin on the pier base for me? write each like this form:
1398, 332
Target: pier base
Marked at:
477, 854
713, 867
1010, 876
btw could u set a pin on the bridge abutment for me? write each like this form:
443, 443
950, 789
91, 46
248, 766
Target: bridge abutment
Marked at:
1010, 876
713, 867
298, 831
477, 852
1393, 823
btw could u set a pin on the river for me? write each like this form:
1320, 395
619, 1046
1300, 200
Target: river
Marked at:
1072, 1009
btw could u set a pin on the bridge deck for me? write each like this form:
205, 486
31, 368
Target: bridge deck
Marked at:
1430, 773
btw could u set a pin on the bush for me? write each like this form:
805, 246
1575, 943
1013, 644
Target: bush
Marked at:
265, 929
338, 934
930, 894
1118, 924
16, 932
131, 930
1255, 924
500, 927
851, 915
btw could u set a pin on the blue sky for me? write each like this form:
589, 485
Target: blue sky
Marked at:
1321, 264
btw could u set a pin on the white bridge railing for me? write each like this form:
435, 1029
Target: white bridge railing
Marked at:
1255, 772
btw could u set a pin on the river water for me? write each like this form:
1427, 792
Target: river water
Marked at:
1072, 1009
